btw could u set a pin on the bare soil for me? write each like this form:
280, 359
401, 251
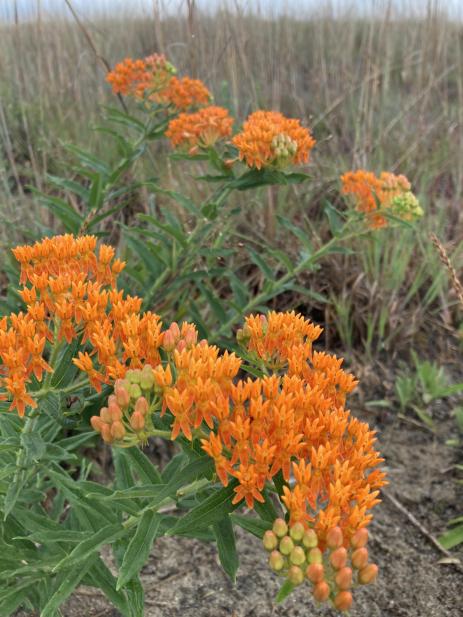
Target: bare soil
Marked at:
183, 577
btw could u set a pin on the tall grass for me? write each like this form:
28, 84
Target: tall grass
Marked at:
379, 93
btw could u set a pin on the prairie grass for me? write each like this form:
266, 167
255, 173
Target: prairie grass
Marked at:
378, 93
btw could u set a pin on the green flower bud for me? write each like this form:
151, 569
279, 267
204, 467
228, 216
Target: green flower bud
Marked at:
297, 531
309, 539
276, 561
286, 545
134, 391
315, 556
133, 375
296, 575
280, 528
297, 556
270, 541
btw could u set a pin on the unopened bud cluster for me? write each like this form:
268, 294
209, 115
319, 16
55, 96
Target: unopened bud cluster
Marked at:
126, 418
284, 148
175, 338
406, 207
331, 568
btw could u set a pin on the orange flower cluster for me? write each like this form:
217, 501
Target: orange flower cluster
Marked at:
373, 195
259, 426
69, 288
200, 129
136, 77
154, 77
269, 139
185, 93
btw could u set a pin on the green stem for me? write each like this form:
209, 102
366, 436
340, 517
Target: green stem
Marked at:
311, 260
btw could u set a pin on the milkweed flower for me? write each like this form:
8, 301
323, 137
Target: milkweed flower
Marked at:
201, 129
184, 93
70, 292
291, 423
137, 77
269, 139
378, 196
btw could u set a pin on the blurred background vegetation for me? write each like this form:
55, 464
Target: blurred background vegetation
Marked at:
380, 93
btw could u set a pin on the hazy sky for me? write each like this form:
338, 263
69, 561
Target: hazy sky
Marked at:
28, 8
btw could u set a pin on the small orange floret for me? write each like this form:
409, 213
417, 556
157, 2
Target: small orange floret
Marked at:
269, 139
200, 129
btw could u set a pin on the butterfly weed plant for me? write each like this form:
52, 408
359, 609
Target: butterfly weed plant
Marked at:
264, 438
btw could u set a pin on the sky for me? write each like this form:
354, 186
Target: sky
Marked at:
27, 9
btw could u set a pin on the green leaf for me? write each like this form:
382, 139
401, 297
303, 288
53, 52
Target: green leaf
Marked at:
262, 265
67, 582
34, 447
252, 524
335, 221
71, 220
209, 511
51, 405
64, 364
106, 535
100, 576
226, 546
285, 590
210, 211
144, 468
139, 548
452, 538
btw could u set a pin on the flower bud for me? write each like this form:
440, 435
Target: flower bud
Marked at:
276, 561
115, 412
297, 531
296, 575
343, 578
137, 421
168, 341
142, 406
368, 574
286, 545
343, 600
315, 572
360, 558
321, 591
105, 415
338, 558
147, 378
190, 337
135, 391
360, 538
96, 423
106, 433
315, 556
334, 537
181, 346
309, 539
280, 528
133, 375
297, 556
175, 330
117, 430
112, 399
270, 541
122, 395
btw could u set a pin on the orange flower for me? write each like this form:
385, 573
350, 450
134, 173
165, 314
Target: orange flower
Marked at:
200, 129
66, 285
137, 77
185, 93
269, 139
373, 195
